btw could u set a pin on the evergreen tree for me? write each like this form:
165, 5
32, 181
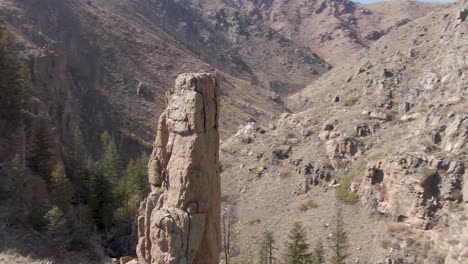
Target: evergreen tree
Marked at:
62, 189
106, 139
110, 164
84, 210
297, 247
76, 155
86, 180
75, 163
57, 223
265, 255
41, 151
339, 241
14, 80
101, 199
318, 256
137, 174
18, 204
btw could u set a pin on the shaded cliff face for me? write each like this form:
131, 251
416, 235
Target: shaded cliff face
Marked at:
67, 69
179, 222
106, 64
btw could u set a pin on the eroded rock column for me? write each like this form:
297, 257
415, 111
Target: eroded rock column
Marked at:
179, 222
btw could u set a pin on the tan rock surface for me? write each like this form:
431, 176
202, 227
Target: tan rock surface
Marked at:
179, 222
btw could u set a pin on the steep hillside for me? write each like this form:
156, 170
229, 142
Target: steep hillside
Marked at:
107, 64
335, 29
383, 137
100, 66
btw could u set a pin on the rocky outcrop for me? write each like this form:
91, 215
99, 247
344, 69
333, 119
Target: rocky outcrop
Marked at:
179, 222
412, 188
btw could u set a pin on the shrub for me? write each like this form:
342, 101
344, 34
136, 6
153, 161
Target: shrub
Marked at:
307, 204
343, 194
254, 222
56, 221
257, 169
349, 102
386, 243
397, 227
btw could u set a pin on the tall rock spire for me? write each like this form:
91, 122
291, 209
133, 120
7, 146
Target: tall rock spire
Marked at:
179, 222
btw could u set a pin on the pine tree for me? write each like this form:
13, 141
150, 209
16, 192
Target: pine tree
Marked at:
318, 256
110, 164
18, 204
62, 189
41, 151
265, 255
137, 174
339, 241
14, 80
75, 167
297, 247
86, 180
84, 209
76, 155
101, 199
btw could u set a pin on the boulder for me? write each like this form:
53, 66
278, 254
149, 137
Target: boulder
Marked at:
378, 115
410, 117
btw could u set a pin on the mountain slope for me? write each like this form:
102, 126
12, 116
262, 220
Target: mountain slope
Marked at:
383, 136
106, 65
335, 29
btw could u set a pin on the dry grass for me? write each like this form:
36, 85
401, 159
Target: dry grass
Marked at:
254, 222
359, 170
308, 204
385, 243
397, 228
386, 152
397, 101
285, 173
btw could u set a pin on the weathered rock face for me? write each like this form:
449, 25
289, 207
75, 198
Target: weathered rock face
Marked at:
413, 188
179, 221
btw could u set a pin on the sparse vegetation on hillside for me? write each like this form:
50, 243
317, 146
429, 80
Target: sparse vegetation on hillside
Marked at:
308, 204
343, 193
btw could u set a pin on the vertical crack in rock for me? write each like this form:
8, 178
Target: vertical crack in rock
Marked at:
179, 221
